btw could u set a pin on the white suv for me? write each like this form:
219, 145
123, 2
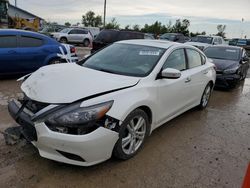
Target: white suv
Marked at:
203, 41
73, 35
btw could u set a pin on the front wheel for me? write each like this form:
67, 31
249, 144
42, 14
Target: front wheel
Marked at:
132, 135
205, 97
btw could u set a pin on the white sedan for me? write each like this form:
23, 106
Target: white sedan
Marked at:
82, 114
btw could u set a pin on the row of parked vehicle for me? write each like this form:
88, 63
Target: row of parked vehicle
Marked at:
110, 102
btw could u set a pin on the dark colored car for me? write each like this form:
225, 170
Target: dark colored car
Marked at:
174, 37
109, 36
22, 52
244, 43
232, 64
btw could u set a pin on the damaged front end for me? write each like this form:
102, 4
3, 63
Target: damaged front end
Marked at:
62, 131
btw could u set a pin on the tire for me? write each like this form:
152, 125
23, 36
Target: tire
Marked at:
86, 42
131, 140
54, 61
205, 97
63, 40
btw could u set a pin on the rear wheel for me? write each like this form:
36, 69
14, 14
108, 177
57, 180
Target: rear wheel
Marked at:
63, 40
132, 135
205, 96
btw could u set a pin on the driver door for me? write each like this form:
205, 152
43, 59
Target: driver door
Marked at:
173, 94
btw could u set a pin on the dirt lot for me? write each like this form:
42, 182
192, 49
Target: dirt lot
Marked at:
209, 148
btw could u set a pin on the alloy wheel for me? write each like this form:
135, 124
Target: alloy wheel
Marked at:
206, 96
134, 135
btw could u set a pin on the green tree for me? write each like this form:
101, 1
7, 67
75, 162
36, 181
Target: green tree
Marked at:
67, 24
181, 26
197, 33
127, 27
91, 20
136, 27
113, 24
221, 30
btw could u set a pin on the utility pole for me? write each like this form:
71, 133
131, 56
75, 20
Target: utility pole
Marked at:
15, 3
104, 17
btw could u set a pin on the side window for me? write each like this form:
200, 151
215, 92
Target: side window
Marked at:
220, 40
83, 32
30, 42
215, 41
8, 41
194, 58
176, 60
74, 31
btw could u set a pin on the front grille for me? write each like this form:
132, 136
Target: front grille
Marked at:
33, 106
219, 72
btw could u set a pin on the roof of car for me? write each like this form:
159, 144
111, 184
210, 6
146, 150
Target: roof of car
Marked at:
152, 43
19, 31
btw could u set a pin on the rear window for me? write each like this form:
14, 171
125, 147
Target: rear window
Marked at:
8, 41
30, 42
129, 35
107, 36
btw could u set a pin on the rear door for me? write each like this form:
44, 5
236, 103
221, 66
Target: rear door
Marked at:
9, 58
32, 53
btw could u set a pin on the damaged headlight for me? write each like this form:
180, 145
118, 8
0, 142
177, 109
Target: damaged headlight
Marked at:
76, 115
231, 71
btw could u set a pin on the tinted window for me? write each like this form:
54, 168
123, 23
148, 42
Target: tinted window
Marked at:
194, 58
107, 36
30, 42
74, 31
223, 53
203, 39
8, 42
129, 35
176, 60
83, 32
140, 61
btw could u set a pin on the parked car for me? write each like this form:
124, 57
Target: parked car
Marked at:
52, 28
232, 64
244, 43
111, 102
174, 37
202, 41
109, 36
74, 36
23, 52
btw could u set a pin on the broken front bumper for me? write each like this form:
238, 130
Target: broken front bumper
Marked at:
83, 150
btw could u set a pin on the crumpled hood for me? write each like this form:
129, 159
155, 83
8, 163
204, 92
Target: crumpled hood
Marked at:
222, 64
66, 83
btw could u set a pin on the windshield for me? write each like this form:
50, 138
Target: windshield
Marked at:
125, 59
203, 39
223, 53
170, 37
66, 30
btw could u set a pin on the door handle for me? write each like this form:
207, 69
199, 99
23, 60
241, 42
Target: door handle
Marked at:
188, 80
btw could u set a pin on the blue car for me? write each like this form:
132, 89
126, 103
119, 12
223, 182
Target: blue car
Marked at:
23, 52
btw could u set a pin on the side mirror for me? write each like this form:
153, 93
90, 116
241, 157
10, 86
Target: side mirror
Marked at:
245, 58
170, 73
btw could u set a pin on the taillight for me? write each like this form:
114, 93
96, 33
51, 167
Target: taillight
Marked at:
72, 50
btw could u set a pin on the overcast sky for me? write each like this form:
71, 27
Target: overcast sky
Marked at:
203, 14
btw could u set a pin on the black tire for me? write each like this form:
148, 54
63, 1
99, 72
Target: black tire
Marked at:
203, 104
118, 150
86, 42
63, 40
